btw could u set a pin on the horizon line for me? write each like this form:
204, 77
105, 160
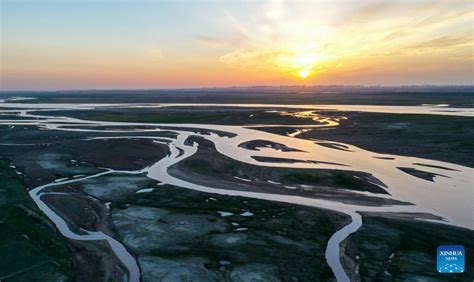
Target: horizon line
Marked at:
360, 86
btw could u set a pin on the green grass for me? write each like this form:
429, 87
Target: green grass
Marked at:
29, 245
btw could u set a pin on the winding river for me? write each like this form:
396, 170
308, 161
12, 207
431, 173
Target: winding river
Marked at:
449, 198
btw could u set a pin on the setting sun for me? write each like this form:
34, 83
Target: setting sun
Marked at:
300, 62
303, 74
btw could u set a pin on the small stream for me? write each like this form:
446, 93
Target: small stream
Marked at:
120, 251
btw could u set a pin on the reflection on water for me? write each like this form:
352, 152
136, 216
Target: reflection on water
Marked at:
315, 116
320, 119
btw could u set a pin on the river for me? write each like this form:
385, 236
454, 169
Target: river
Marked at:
449, 197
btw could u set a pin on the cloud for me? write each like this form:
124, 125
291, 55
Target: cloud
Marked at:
443, 42
239, 27
463, 58
395, 35
239, 36
375, 10
249, 58
437, 44
275, 10
290, 43
445, 17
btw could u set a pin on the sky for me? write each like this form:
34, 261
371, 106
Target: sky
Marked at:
105, 44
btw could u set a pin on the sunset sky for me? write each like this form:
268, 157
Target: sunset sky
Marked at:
161, 44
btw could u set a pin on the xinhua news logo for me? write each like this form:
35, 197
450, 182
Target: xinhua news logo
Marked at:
450, 259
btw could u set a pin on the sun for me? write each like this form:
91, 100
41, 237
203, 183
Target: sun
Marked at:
303, 62
300, 62
303, 73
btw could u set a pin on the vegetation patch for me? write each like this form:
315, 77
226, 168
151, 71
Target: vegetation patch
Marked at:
30, 247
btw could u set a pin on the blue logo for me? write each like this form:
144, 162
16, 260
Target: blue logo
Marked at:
450, 259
